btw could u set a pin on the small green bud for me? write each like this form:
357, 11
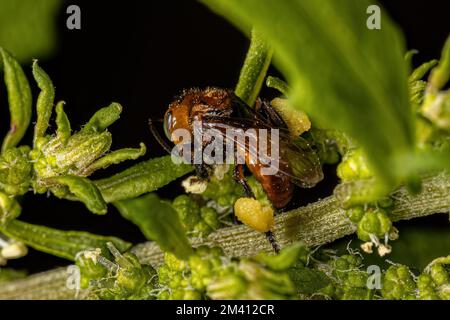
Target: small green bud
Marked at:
374, 222
82, 150
386, 202
173, 263
354, 166
164, 274
200, 221
125, 278
15, 171
427, 288
90, 268
355, 214
51, 158
131, 279
398, 283
439, 274
209, 215
202, 229
346, 262
188, 211
224, 192
350, 280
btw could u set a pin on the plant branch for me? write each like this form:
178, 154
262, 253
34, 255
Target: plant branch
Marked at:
254, 69
316, 224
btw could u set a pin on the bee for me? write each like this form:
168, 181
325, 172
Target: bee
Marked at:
221, 111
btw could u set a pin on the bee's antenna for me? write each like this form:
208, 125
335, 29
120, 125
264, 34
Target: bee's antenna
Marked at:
271, 237
158, 138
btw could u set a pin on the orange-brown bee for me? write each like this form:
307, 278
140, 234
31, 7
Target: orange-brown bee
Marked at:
222, 111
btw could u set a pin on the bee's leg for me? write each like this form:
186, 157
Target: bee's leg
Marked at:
268, 112
273, 242
240, 178
202, 171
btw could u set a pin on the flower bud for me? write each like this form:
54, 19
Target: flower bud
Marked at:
374, 222
398, 283
354, 166
15, 171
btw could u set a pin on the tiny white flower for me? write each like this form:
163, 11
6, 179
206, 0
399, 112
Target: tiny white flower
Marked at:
367, 247
194, 185
384, 250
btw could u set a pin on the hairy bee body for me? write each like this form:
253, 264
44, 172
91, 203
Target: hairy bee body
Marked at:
222, 111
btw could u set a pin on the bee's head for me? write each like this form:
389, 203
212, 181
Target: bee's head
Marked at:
176, 117
194, 104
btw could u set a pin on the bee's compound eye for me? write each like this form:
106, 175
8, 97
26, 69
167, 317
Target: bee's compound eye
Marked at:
168, 124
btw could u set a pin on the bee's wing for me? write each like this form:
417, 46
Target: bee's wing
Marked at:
297, 159
303, 162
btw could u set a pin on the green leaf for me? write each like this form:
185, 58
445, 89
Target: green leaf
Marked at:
115, 157
103, 118
255, 68
276, 83
63, 129
19, 98
342, 74
85, 190
28, 27
158, 221
45, 100
15, 171
441, 74
287, 257
420, 72
144, 177
64, 244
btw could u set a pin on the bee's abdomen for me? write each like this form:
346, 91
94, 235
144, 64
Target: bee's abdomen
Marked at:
278, 187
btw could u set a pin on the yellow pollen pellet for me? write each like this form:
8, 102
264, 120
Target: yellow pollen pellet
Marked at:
251, 213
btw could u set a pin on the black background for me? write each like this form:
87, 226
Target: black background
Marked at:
141, 54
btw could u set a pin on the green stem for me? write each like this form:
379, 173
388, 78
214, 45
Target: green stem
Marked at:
316, 224
254, 70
